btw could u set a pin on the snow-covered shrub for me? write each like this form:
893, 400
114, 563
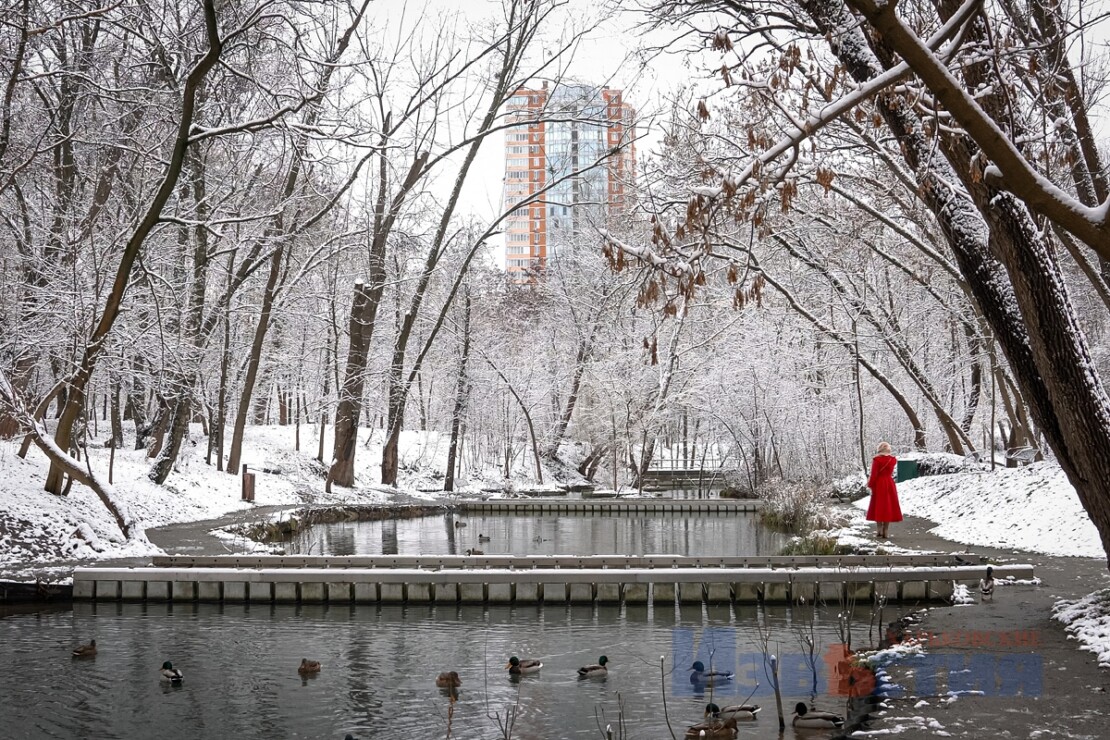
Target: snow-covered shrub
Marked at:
817, 543
734, 484
849, 488
944, 463
799, 507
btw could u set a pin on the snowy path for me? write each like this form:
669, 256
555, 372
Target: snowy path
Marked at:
1072, 689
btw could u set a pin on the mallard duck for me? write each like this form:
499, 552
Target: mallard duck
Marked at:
85, 651
713, 729
517, 666
475, 551
814, 720
483, 538
700, 675
738, 712
986, 585
309, 666
448, 680
170, 674
597, 669
460, 525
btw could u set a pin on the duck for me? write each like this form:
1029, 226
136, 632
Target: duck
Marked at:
475, 551
986, 585
85, 651
518, 667
309, 666
737, 712
448, 680
700, 675
460, 525
597, 669
805, 719
712, 729
171, 674
483, 538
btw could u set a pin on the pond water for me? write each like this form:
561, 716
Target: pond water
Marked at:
562, 534
379, 665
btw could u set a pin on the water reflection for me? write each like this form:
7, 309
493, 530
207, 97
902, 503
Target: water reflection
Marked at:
379, 668
390, 544
564, 534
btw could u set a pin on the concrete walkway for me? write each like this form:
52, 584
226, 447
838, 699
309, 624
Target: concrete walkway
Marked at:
195, 538
1006, 646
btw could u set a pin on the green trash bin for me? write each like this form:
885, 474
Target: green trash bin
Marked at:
906, 470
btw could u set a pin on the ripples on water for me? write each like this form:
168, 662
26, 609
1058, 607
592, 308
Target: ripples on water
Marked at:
379, 665
562, 534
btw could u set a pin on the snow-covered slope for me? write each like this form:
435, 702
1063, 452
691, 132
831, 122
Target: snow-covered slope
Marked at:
1032, 508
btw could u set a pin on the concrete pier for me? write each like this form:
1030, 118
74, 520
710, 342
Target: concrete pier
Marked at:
630, 506
516, 562
532, 585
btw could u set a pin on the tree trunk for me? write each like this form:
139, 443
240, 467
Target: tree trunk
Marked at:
360, 332
254, 359
462, 395
136, 402
324, 405
178, 417
364, 313
580, 360
975, 349
182, 409
219, 429
117, 420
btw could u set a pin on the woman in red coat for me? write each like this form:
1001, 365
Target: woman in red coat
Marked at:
883, 508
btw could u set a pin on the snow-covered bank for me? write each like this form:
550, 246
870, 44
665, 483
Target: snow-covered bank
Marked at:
38, 528
1032, 508
1087, 620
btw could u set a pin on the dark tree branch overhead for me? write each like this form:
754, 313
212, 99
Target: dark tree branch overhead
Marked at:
1011, 170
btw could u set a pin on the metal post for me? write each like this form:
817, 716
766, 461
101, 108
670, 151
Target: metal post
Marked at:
248, 486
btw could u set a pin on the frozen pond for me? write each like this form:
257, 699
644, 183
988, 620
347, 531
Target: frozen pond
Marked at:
379, 665
561, 534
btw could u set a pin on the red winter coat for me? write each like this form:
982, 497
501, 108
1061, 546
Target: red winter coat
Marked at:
884, 496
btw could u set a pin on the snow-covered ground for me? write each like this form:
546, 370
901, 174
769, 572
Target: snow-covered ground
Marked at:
38, 528
1032, 508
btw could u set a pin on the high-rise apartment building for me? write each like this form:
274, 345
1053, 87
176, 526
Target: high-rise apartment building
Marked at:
563, 138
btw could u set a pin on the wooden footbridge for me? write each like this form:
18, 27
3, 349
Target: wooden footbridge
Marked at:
495, 579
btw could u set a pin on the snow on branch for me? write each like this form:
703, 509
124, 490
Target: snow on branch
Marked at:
730, 183
673, 267
1009, 169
